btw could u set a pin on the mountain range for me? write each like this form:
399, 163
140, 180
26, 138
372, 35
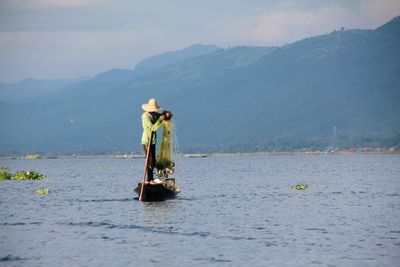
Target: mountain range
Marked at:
339, 89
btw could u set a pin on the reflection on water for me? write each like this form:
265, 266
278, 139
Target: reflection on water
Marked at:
102, 200
162, 212
237, 211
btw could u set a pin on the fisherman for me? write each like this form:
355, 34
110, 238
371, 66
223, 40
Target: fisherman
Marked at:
151, 122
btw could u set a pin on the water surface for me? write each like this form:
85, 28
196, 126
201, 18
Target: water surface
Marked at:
232, 211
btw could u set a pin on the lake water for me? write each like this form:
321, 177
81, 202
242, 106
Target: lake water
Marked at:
232, 211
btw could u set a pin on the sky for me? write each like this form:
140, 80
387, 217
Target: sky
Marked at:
62, 39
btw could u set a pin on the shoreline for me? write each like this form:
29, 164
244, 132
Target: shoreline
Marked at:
205, 155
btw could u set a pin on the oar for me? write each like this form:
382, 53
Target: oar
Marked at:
146, 165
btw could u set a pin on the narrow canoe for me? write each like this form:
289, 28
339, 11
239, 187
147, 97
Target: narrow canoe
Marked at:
159, 192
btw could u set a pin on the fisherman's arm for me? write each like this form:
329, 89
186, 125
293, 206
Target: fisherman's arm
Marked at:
148, 126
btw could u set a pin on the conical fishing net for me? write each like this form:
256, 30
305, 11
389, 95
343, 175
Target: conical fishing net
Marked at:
165, 164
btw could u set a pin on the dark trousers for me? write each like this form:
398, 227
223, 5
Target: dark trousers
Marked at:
152, 161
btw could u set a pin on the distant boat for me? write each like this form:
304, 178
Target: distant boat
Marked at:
139, 156
126, 156
195, 155
159, 192
121, 156
33, 156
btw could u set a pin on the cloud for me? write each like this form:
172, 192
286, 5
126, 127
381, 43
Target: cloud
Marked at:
70, 38
69, 54
283, 26
286, 26
61, 3
42, 4
377, 12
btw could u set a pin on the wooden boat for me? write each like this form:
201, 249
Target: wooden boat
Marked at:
195, 155
159, 192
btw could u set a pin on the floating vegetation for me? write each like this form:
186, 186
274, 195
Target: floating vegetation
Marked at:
33, 156
104, 166
20, 175
42, 191
164, 163
28, 175
5, 174
301, 186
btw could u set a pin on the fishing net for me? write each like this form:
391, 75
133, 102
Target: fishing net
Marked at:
164, 163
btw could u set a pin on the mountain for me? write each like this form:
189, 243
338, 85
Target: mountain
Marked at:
32, 110
30, 88
338, 89
168, 58
119, 77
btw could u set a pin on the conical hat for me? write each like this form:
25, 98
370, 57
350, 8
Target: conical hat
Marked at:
151, 106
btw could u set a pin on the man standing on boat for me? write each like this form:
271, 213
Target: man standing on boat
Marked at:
151, 122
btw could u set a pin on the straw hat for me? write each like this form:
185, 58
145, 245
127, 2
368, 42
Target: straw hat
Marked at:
151, 106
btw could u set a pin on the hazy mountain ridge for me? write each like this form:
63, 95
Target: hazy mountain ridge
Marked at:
337, 89
29, 88
331, 82
169, 58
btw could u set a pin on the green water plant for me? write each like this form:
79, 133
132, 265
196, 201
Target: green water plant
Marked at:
5, 173
28, 175
42, 191
301, 186
20, 175
104, 166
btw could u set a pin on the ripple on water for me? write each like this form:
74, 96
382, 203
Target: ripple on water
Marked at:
21, 223
102, 200
234, 211
11, 258
212, 259
160, 230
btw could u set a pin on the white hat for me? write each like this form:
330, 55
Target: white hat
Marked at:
151, 106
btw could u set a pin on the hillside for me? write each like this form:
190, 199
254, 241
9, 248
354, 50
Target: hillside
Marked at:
169, 58
338, 89
32, 88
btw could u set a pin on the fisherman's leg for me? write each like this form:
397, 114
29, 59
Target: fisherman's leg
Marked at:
153, 163
149, 169
152, 158
150, 175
